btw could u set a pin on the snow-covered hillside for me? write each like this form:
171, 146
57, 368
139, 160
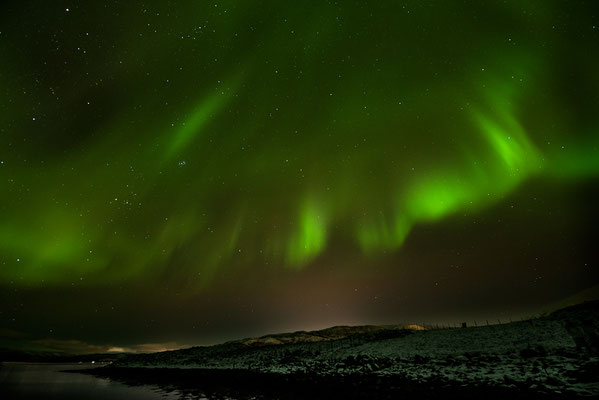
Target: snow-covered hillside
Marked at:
554, 354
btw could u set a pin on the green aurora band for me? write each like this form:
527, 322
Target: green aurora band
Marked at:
240, 139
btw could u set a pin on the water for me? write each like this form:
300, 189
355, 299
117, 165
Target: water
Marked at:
46, 381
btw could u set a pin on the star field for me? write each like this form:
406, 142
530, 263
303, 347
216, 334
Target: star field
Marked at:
229, 168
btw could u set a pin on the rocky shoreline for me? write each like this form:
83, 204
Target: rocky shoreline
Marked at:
242, 384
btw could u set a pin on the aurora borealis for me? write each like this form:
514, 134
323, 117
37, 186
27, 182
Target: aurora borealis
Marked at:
193, 171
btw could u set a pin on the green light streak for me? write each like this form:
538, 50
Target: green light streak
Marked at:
194, 125
382, 235
509, 159
46, 251
205, 112
310, 238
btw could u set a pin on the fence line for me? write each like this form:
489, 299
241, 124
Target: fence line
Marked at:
473, 323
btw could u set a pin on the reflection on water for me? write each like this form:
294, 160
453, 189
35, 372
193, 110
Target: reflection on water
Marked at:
49, 381
46, 381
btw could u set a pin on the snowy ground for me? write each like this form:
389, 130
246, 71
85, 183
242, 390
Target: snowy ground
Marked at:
555, 354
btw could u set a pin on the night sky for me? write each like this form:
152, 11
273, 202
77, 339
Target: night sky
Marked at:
187, 172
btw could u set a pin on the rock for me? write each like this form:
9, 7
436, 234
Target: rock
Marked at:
418, 359
553, 381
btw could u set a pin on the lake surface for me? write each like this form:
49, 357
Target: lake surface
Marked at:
47, 381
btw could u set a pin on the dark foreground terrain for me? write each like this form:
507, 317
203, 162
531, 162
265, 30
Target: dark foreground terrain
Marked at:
556, 356
237, 384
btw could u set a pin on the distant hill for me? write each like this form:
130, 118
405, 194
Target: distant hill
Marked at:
585, 295
41, 356
333, 333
